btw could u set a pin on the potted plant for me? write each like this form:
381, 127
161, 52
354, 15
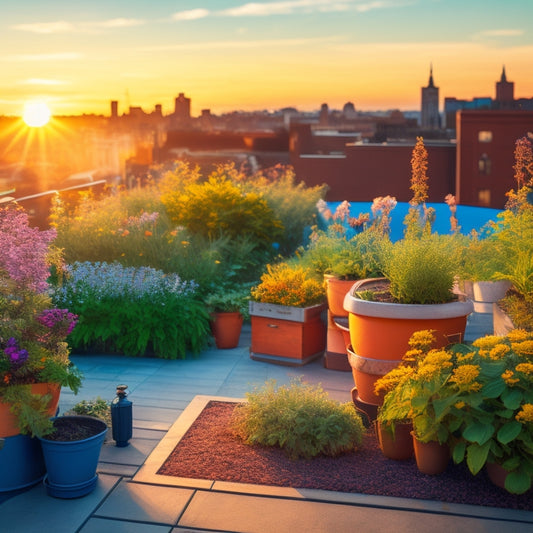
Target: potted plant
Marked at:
228, 307
416, 292
71, 451
286, 312
491, 408
34, 357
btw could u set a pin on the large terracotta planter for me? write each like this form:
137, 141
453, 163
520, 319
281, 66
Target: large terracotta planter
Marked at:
485, 293
284, 335
398, 447
8, 422
226, 329
380, 332
502, 323
431, 457
336, 290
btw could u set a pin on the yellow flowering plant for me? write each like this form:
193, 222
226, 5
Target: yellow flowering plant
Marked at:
289, 285
492, 410
476, 398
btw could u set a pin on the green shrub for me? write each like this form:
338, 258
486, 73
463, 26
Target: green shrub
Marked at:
133, 310
218, 207
98, 407
421, 270
300, 419
294, 204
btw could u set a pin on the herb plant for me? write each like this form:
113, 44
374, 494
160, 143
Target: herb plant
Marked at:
300, 419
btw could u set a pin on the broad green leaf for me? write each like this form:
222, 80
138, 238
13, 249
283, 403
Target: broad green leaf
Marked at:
476, 456
517, 482
509, 431
512, 398
478, 432
458, 453
494, 388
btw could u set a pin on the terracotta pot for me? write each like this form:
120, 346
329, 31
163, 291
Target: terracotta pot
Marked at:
8, 422
497, 474
431, 457
380, 330
366, 372
336, 290
226, 329
398, 447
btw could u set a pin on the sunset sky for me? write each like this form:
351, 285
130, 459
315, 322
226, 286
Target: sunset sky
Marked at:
232, 54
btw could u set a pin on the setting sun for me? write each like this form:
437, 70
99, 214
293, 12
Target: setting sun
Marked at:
36, 114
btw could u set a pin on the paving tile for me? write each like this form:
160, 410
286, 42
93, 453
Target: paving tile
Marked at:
34, 510
133, 454
145, 503
256, 514
102, 525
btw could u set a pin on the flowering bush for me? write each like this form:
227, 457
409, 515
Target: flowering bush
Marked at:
133, 310
32, 333
293, 286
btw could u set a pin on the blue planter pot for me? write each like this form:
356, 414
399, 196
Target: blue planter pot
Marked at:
71, 465
21, 464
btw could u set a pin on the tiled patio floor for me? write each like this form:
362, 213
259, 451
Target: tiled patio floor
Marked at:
127, 501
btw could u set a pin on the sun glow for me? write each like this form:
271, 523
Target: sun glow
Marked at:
36, 114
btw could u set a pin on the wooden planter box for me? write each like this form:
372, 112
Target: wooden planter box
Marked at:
290, 336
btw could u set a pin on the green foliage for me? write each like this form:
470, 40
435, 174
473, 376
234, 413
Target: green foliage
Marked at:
218, 207
293, 204
300, 419
134, 311
345, 258
231, 298
97, 407
421, 271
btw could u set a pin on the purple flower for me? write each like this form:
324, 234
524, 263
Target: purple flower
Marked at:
16, 356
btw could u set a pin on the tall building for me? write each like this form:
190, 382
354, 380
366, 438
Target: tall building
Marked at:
182, 108
430, 118
504, 93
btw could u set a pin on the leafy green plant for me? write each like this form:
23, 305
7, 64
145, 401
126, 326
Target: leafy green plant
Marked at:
229, 298
218, 207
97, 407
134, 310
300, 419
421, 270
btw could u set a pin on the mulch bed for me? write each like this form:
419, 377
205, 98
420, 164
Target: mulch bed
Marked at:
209, 451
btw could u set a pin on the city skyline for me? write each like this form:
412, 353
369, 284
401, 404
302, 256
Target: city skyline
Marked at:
236, 55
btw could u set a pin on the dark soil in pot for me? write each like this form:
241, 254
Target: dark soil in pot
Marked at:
74, 428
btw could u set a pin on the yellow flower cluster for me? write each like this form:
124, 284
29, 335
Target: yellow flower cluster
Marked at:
525, 368
464, 377
524, 348
488, 342
440, 358
519, 335
499, 351
525, 415
422, 340
390, 381
507, 376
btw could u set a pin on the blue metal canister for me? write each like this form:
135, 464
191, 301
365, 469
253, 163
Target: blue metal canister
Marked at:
122, 417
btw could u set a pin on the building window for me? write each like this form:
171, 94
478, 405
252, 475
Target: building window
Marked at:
484, 164
483, 197
484, 136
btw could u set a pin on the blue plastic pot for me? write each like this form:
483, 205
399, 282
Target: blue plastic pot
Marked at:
71, 465
21, 463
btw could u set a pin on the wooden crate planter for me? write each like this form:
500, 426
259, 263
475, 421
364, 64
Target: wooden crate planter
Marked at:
284, 335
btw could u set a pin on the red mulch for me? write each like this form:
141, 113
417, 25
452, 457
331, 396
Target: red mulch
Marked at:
209, 451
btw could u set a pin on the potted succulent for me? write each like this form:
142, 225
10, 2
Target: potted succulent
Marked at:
228, 307
34, 357
286, 312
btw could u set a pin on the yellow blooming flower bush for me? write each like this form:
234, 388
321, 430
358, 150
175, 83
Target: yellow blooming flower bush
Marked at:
476, 398
294, 286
